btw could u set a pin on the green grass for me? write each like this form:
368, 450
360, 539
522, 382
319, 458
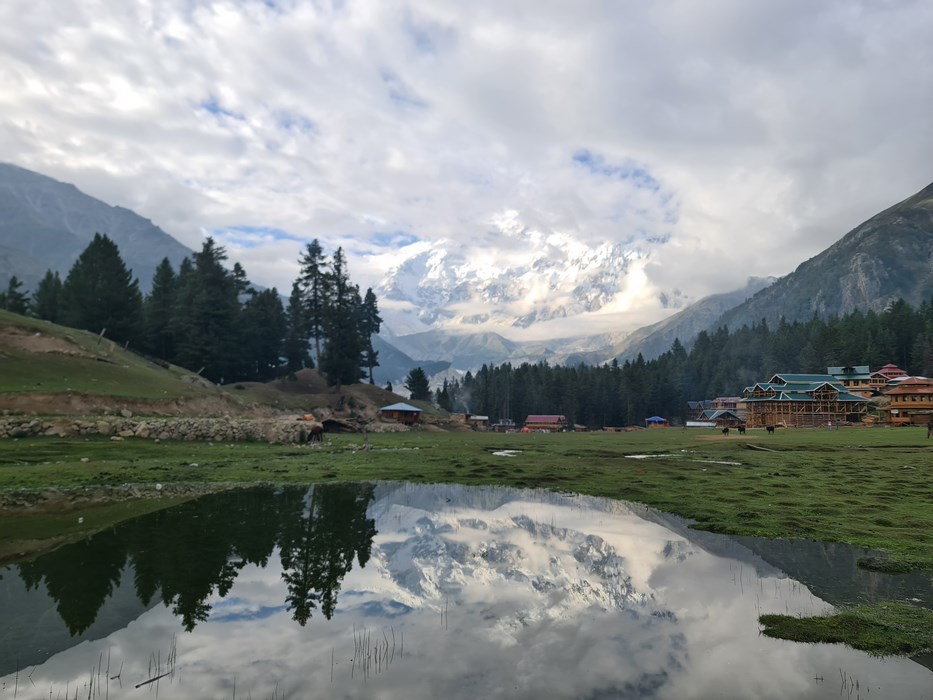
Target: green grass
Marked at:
866, 486
81, 362
863, 486
885, 629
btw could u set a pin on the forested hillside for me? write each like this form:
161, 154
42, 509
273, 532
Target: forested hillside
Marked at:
212, 320
721, 363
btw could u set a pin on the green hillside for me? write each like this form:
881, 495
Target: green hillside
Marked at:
49, 369
38, 356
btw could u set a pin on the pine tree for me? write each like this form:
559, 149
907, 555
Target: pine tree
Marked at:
100, 293
296, 340
241, 281
47, 299
13, 299
315, 283
264, 329
342, 354
158, 309
417, 384
442, 397
370, 323
206, 321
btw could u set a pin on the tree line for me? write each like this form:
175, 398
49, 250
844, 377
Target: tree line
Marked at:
212, 320
718, 363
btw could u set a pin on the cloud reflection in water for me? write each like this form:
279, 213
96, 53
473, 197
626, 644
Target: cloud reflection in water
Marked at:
501, 593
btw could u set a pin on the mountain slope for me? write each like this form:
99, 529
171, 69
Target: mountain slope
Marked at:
46, 224
394, 365
890, 256
657, 338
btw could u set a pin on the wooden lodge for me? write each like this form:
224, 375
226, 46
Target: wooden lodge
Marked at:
911, 401
551, 423
401, 412
855, 378
884, 376
721, 412
802, 401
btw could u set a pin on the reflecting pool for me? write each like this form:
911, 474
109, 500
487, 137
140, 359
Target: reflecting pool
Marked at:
413, 591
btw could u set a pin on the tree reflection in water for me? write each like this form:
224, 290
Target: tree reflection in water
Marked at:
188, 553
318, 549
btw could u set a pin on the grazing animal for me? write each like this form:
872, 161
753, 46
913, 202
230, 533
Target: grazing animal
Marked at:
317, 433
725, 431
770, 429
741, 430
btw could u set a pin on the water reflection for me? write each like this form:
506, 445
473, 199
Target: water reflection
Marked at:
444, 591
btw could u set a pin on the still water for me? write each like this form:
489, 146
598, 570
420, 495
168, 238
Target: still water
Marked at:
410, 591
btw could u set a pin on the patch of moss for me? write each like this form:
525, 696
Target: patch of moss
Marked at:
885, 628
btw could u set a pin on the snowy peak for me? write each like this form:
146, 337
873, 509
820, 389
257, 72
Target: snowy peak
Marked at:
513, 276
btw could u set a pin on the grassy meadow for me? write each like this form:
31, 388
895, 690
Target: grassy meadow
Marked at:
865, 486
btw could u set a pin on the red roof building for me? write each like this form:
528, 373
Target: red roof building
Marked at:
551, 423
881, 377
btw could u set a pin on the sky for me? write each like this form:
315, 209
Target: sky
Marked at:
728, 138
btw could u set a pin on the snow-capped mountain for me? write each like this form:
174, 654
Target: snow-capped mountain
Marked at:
515, 276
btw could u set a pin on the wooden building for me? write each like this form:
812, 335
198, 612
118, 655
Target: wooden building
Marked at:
477, 422
551, 423
722, 412
696, 409
855, 378
401, 412
802, 401
884, 376
911, 401
725, 418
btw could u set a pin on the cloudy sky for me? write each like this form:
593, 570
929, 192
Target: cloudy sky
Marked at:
747, 136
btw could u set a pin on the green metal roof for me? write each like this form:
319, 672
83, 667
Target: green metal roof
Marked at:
785, 396
719, 413
850, 372
803, 378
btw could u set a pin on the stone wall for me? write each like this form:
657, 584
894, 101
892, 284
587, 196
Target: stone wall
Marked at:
213, 429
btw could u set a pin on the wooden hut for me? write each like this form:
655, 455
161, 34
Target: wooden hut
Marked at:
401, 412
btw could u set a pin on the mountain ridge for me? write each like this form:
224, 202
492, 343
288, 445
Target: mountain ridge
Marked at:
61, 221
887, 257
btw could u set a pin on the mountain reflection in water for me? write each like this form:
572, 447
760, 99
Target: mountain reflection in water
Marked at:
445, 591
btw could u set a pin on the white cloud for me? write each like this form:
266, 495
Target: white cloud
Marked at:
772, 128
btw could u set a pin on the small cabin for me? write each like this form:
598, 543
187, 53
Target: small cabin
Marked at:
477, 422
401, 412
